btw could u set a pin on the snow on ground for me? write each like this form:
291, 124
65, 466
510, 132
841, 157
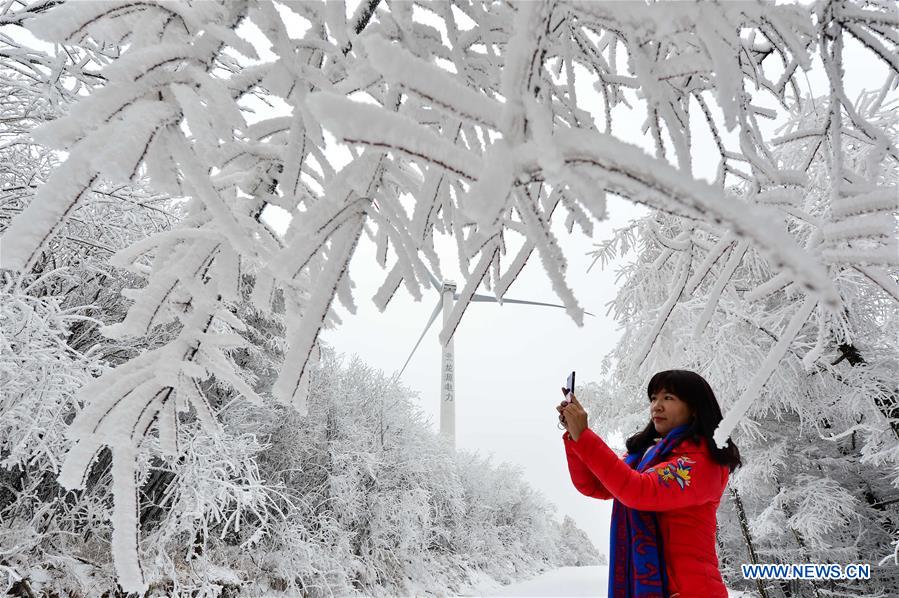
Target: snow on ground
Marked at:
565, 581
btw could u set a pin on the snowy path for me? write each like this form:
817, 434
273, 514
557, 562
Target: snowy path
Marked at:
565, 581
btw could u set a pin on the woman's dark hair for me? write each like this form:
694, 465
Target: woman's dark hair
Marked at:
691, 388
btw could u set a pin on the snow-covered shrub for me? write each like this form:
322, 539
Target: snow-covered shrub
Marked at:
577, 549
381, 505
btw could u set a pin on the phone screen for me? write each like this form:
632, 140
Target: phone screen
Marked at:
569, 384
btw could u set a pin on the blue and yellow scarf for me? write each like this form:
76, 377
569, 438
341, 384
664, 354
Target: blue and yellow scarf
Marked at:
637, 569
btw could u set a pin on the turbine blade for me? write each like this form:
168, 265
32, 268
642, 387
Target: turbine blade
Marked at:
489, 298
436, 311
482, 298
492, 299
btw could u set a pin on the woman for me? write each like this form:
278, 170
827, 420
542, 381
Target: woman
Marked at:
666, 490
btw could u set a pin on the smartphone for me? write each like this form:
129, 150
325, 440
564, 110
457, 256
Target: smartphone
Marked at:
569, 384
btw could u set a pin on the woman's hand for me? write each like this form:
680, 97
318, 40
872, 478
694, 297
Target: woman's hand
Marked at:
560, 407
574, 417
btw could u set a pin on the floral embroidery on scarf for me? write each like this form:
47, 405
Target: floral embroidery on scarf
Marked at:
679, 471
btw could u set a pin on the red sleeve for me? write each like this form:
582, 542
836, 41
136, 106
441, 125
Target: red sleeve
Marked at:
679, 481
581, 476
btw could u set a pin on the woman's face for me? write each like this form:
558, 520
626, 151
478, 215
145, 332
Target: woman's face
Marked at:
668, 411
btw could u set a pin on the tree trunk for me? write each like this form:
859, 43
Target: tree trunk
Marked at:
747, 537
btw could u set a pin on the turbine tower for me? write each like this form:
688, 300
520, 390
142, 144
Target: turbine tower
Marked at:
448, 295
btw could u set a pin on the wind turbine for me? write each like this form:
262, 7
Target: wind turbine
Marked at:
448, 295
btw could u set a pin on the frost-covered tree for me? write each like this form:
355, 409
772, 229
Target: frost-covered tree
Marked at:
464, 118
386, 507
50, 343
577, 548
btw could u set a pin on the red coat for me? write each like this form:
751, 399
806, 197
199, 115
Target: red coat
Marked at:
684, 488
